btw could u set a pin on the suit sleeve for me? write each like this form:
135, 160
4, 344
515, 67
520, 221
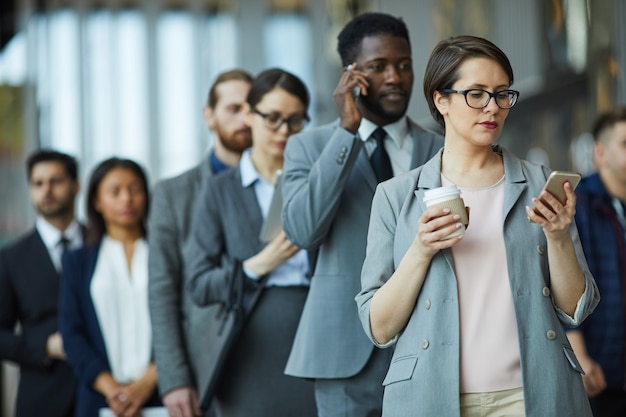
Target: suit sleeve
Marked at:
314, 181
165, 294
378, 265
17, 347
208, 274
81, 353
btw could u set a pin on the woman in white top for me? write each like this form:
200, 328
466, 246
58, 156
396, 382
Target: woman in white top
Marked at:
104, 316
476, 319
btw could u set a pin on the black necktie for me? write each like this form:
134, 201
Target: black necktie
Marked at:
380, 158
65, 244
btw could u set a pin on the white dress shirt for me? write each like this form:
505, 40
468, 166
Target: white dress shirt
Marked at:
294, 271
51, 237
399, 148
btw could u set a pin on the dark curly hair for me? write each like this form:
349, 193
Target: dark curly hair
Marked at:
364, 25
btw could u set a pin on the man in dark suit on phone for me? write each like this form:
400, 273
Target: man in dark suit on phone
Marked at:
30, 273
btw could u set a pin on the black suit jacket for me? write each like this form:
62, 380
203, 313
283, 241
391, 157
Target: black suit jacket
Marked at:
29, 295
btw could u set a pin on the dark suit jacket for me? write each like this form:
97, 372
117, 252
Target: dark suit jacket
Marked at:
82, 337
29, 294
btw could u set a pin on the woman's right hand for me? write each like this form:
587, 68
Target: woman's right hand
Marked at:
274, 254
432, 227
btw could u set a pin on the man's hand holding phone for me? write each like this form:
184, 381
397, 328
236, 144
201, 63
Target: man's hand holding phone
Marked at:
351, 82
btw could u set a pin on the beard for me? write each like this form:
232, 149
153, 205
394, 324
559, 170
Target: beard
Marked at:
236, 141
56, 208
376, 108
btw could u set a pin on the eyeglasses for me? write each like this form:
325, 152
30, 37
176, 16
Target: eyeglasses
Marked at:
479, 99
273, 121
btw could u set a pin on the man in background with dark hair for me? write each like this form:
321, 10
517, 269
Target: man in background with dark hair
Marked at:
600, 343
330, 175
178, 325
30, 273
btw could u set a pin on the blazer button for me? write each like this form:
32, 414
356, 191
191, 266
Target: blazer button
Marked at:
340, 160
545, 291
551, 335
427, 304
344, 150
425, 344
540, 249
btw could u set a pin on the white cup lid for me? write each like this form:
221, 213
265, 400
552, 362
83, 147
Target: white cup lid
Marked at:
447, 191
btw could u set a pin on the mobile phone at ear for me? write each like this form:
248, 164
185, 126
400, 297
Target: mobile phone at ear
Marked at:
556, 180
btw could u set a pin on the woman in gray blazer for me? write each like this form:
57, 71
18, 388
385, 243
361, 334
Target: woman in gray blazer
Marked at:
226, 230
476, 319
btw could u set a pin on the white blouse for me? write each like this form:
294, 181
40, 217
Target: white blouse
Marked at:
120, 298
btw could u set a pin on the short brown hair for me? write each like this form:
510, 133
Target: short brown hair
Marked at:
606, 121
442, 70
235, 74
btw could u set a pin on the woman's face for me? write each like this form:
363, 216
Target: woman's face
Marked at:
121, 199
480, 127
275, 103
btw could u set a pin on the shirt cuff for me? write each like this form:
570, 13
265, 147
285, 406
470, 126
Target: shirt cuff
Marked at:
578, 313
250, 274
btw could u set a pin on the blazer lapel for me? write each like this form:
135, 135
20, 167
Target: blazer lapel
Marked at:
364, 166
515, 181
245, 200
40, 253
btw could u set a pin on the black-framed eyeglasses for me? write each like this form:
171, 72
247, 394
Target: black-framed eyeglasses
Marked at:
479, 99
273, 121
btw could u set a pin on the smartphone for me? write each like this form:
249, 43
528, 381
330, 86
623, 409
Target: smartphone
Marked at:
557, 179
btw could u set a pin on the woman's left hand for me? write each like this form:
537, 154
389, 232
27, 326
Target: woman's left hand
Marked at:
554, 217
138, 392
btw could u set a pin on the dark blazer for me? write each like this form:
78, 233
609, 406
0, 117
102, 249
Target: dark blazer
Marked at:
83, 341
29, 293
225, 230
226, 227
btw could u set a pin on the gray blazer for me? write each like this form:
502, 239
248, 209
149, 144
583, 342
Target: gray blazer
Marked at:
222, 201
327, 195
177, 323
423, 378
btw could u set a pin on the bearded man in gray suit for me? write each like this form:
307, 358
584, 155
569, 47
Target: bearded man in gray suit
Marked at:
177, 324
330, 175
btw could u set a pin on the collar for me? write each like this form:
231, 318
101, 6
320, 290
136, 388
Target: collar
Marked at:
51, 235
217, 166
249, 174
431, 172
397, 130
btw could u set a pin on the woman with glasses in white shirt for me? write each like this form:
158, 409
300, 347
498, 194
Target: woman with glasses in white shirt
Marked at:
229, 217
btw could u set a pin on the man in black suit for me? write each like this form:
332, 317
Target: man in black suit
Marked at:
30, 273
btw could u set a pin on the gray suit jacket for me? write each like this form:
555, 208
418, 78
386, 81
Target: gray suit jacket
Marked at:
222, 201
327, 194
177, 323
423, 378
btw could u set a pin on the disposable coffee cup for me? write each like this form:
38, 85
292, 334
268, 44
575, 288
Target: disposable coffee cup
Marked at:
448, 197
